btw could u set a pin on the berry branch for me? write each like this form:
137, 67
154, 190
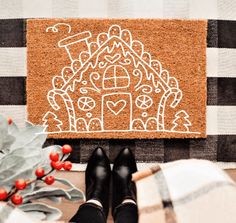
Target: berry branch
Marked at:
20, 184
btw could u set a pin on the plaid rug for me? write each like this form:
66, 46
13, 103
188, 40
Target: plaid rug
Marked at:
185, 191
220, 144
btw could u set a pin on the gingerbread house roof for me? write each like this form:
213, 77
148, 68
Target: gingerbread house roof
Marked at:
114, 37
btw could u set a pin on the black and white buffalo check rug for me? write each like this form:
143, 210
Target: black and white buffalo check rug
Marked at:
220, 144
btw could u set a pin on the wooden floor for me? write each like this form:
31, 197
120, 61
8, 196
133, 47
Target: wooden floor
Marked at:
77, 178
69, 208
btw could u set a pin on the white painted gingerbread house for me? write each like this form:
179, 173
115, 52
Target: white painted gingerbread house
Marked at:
112, 85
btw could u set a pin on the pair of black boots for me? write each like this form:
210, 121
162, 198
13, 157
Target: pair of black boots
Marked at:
99, 176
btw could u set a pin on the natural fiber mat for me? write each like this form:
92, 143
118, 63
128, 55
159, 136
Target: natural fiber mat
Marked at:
108, 78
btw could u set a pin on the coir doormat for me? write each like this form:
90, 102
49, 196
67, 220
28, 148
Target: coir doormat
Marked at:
109, 78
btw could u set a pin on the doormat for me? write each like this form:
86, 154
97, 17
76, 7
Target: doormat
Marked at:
117, 78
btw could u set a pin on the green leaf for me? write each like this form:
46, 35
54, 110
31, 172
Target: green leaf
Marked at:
3, 125
13, 129
19, 163
54, 199
65, 182
6, 140
6, 145
30, 188
1, 155
28, 124
9, 166
46, 192
72, 194
40, 211
29, 136
76, 194
36, 215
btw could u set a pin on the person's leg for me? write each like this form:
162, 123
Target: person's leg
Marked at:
124, 208
89, 213
97, 175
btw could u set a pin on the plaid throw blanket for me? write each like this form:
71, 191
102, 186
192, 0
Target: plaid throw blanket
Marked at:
186, 191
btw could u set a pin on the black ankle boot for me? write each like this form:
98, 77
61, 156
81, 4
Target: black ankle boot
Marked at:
98, 174
123, 187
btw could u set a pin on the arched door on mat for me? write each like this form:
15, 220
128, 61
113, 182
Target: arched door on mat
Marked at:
116, 112
116, 107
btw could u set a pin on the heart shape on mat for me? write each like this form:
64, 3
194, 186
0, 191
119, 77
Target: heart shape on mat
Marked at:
116, 107
112, 59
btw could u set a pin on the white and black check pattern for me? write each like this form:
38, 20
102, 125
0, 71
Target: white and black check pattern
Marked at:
220, 144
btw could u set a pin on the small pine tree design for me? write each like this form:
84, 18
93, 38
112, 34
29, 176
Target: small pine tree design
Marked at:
52, 123
181, 122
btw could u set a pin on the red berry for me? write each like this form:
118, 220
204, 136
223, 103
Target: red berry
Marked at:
3, 194
39, 172
9, 120
67, 165
16, 199
20, 184
49, 180
54, 156
66, 149
57, 165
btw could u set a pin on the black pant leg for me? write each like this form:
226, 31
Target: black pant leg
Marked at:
89, 213
126, 213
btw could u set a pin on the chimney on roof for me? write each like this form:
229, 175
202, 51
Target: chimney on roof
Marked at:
75, 44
